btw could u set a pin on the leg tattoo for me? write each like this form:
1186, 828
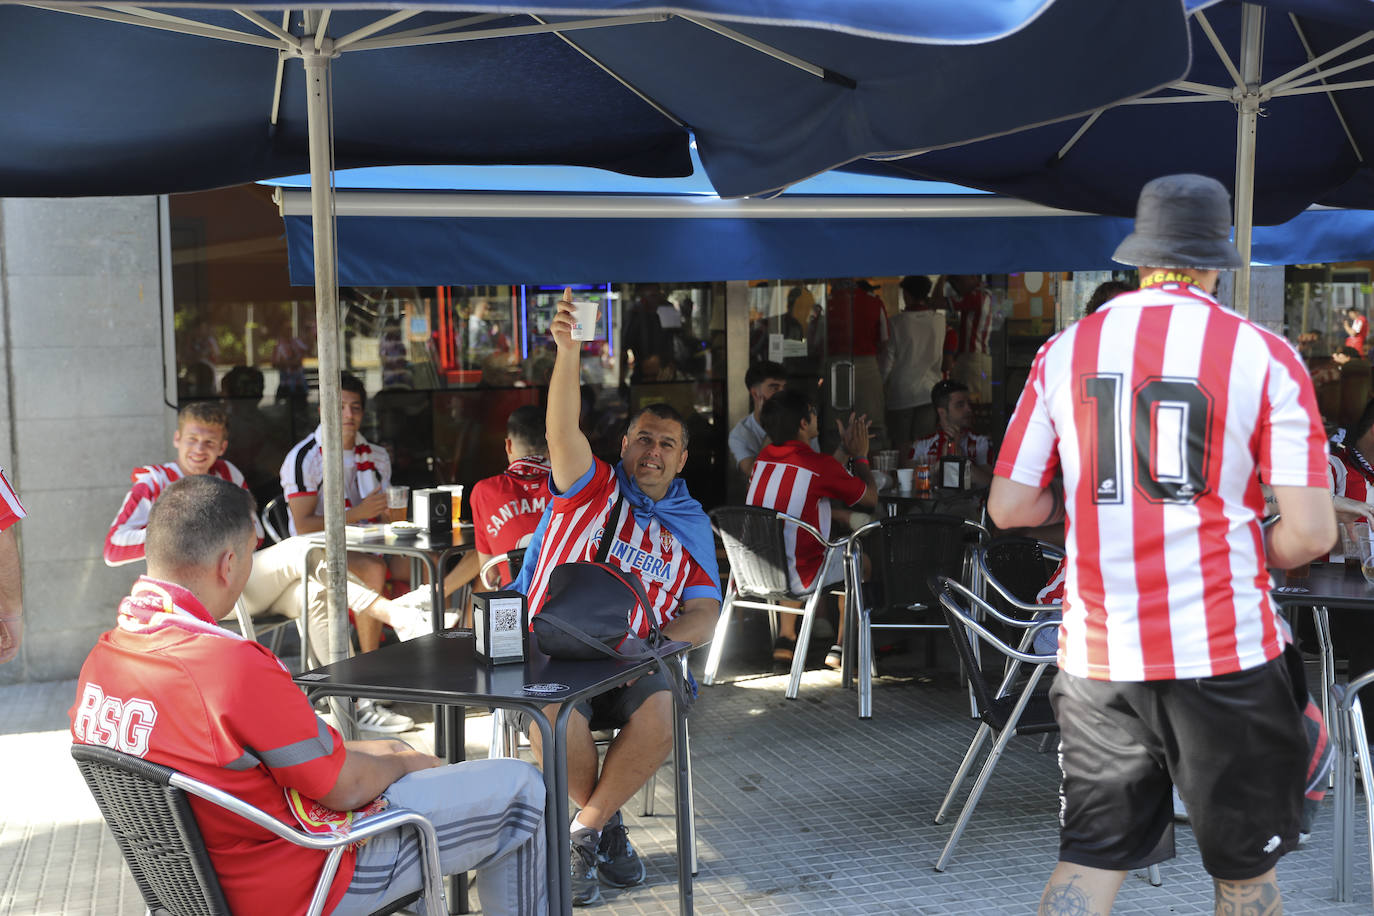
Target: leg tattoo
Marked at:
1067, 900
1259, 899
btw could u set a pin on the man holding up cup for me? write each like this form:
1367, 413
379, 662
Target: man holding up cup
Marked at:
655, 531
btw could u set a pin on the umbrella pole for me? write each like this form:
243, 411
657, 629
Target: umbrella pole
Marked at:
317, 107
1251, 32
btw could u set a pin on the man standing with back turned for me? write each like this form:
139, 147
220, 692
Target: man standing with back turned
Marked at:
1165, 412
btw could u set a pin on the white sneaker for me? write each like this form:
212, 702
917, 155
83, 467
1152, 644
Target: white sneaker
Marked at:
373, 718
411, 614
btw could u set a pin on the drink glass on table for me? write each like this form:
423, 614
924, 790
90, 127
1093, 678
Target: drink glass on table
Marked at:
906, 479
1350, 542
397, 499
455, 493
1365, 540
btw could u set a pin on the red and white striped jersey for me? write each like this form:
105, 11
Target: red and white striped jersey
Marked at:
931, 448
574, 530
11, 510
796, 479
367, 468
124, 542
1053, 592
1350, 474
975, 320
1166, 411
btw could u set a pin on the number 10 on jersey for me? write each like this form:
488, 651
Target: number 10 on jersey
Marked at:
1169, 423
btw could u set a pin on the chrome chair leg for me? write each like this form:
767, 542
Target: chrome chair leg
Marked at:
865, 663
803, 641
708, 675
962, 773
1153, 876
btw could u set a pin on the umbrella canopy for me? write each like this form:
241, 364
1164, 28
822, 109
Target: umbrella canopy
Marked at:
442, 225
774, 90
199, 96
1278, 105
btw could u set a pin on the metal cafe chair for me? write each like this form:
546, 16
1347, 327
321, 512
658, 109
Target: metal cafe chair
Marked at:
146, 807
273, 524
489, 574
904, 552
1004, 712
755, 545
1352, 746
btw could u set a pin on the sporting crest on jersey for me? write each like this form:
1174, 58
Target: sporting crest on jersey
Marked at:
665, 539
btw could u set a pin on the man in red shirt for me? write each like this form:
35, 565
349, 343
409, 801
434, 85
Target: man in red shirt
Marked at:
795, 479
506, 508
1356, 330
170, 686
857, 332
1164, 410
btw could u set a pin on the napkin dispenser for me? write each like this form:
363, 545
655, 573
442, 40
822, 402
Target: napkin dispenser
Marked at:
956, 472
433, 509
500, 622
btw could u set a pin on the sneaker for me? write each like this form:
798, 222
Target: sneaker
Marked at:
373, 718
616, 860
412, 614
834, 658
586, 890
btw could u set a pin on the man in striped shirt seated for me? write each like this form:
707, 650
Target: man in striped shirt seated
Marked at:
274, 586
656, 531
1165, 411
795, 479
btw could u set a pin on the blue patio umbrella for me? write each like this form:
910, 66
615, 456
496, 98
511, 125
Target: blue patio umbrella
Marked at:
198, 96
1278, 105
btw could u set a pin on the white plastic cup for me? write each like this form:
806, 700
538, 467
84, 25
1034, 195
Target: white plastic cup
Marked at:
584, 319
397, 497
906, 478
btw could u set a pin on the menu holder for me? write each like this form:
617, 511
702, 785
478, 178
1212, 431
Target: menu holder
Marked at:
500, 623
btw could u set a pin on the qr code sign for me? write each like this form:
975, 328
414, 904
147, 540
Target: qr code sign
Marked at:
505, 618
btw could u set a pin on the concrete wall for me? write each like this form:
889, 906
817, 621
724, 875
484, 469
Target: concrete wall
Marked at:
82, 370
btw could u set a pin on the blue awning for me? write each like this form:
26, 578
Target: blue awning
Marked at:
436, 226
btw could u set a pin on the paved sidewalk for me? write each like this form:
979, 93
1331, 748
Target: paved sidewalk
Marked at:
801, 809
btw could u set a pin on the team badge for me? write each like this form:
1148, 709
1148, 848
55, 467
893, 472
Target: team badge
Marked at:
665, 540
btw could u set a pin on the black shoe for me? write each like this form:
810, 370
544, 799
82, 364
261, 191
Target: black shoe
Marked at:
616, 861
585, 889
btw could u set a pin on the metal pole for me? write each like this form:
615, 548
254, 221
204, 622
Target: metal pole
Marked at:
1252, 34
320, 127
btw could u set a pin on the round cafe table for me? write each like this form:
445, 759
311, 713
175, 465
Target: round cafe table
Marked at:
937, 499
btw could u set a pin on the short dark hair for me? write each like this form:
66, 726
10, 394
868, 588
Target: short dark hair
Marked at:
350, 382
917, 286
795, 293
211, 413
526, 426
783, 414
663, 412
1105, 293
194, 519
943, 390
761, 372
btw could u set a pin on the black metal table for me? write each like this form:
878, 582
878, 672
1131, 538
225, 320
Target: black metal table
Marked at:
1329, 585
443, 669
937, 499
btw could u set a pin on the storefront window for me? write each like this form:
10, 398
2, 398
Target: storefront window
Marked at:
443, 366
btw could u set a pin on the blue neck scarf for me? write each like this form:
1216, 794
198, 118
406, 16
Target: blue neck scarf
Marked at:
677, 511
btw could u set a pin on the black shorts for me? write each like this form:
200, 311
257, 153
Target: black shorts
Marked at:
1233, 745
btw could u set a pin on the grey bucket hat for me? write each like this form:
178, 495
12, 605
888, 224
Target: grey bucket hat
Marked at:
1181, 221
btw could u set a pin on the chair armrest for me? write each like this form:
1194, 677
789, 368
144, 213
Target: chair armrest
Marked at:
980, 560
944, 588
373, 824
